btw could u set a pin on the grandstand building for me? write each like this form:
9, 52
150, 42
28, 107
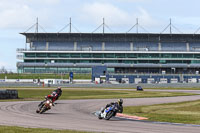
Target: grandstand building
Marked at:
119, 52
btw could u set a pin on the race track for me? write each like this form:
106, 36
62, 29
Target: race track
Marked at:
78, 115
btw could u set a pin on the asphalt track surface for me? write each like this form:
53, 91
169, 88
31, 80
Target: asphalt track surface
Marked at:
79, 115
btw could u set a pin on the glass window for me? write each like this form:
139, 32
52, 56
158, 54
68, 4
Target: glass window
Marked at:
154, 61
180, 55
41, 54
110, 70
110, 61
142, 55
109, 55
97, 55
195, 61
120, 55
40, 70
29, 54
75, 55
86, 55
52, 55
143, 61
187, 61
153, 55
84, 61
165, 55
29, 69
174, 56
187, 55
66, 55
29, 60
131, 55
162, 61
85, 70
128, 61
40, 61
174, 61
196, 55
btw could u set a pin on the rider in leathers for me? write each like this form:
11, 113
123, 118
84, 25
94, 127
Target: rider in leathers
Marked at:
54, 96
118, 105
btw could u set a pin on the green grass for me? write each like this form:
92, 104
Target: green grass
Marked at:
38, 94
184, 112
14, 129
172, 88
44, 76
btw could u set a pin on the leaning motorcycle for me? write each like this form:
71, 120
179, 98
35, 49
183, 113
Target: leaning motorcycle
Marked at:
108, 113
45, 106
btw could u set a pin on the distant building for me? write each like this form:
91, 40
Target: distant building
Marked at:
120, 52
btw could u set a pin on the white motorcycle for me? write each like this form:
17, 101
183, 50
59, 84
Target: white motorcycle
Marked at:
108, 112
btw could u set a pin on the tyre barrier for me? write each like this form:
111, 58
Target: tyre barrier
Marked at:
8, 94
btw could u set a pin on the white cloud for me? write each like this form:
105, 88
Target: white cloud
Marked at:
133, 0
23, 13
115, 16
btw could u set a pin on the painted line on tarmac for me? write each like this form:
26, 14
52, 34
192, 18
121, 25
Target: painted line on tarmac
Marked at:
145, 120
157, 122
130, 117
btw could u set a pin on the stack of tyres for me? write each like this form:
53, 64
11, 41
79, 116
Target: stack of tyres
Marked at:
2, 94
8, 94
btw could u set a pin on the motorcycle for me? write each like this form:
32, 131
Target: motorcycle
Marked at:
108, 113
45, 106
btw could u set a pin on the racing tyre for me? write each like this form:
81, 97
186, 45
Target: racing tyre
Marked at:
109, 115
99, 116
37, 111
42, 110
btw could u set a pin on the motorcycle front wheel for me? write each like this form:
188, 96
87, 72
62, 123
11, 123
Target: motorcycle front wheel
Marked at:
109, 115
99, 116
43, 109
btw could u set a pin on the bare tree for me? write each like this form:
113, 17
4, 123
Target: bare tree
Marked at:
3, 70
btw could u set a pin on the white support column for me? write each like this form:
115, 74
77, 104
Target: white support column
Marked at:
25, 46
75, 46
31, 44
159, 46
131, 46
103, 46
187, 46
47, 46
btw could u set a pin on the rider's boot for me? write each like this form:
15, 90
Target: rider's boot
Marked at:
40, 104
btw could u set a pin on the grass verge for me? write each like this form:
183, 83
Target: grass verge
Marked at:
183, 112
38, 94
14, 129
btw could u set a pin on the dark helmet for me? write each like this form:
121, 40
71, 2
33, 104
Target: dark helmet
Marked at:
53, 94
120, 101
58, 89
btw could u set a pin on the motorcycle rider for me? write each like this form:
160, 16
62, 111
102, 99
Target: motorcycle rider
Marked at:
59, 92
118, 105
54, 96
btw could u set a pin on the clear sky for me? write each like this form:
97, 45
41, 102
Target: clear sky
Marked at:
17, 16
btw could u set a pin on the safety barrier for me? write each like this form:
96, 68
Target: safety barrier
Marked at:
8, 94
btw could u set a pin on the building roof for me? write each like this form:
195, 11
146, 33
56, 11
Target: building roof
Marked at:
113, 37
